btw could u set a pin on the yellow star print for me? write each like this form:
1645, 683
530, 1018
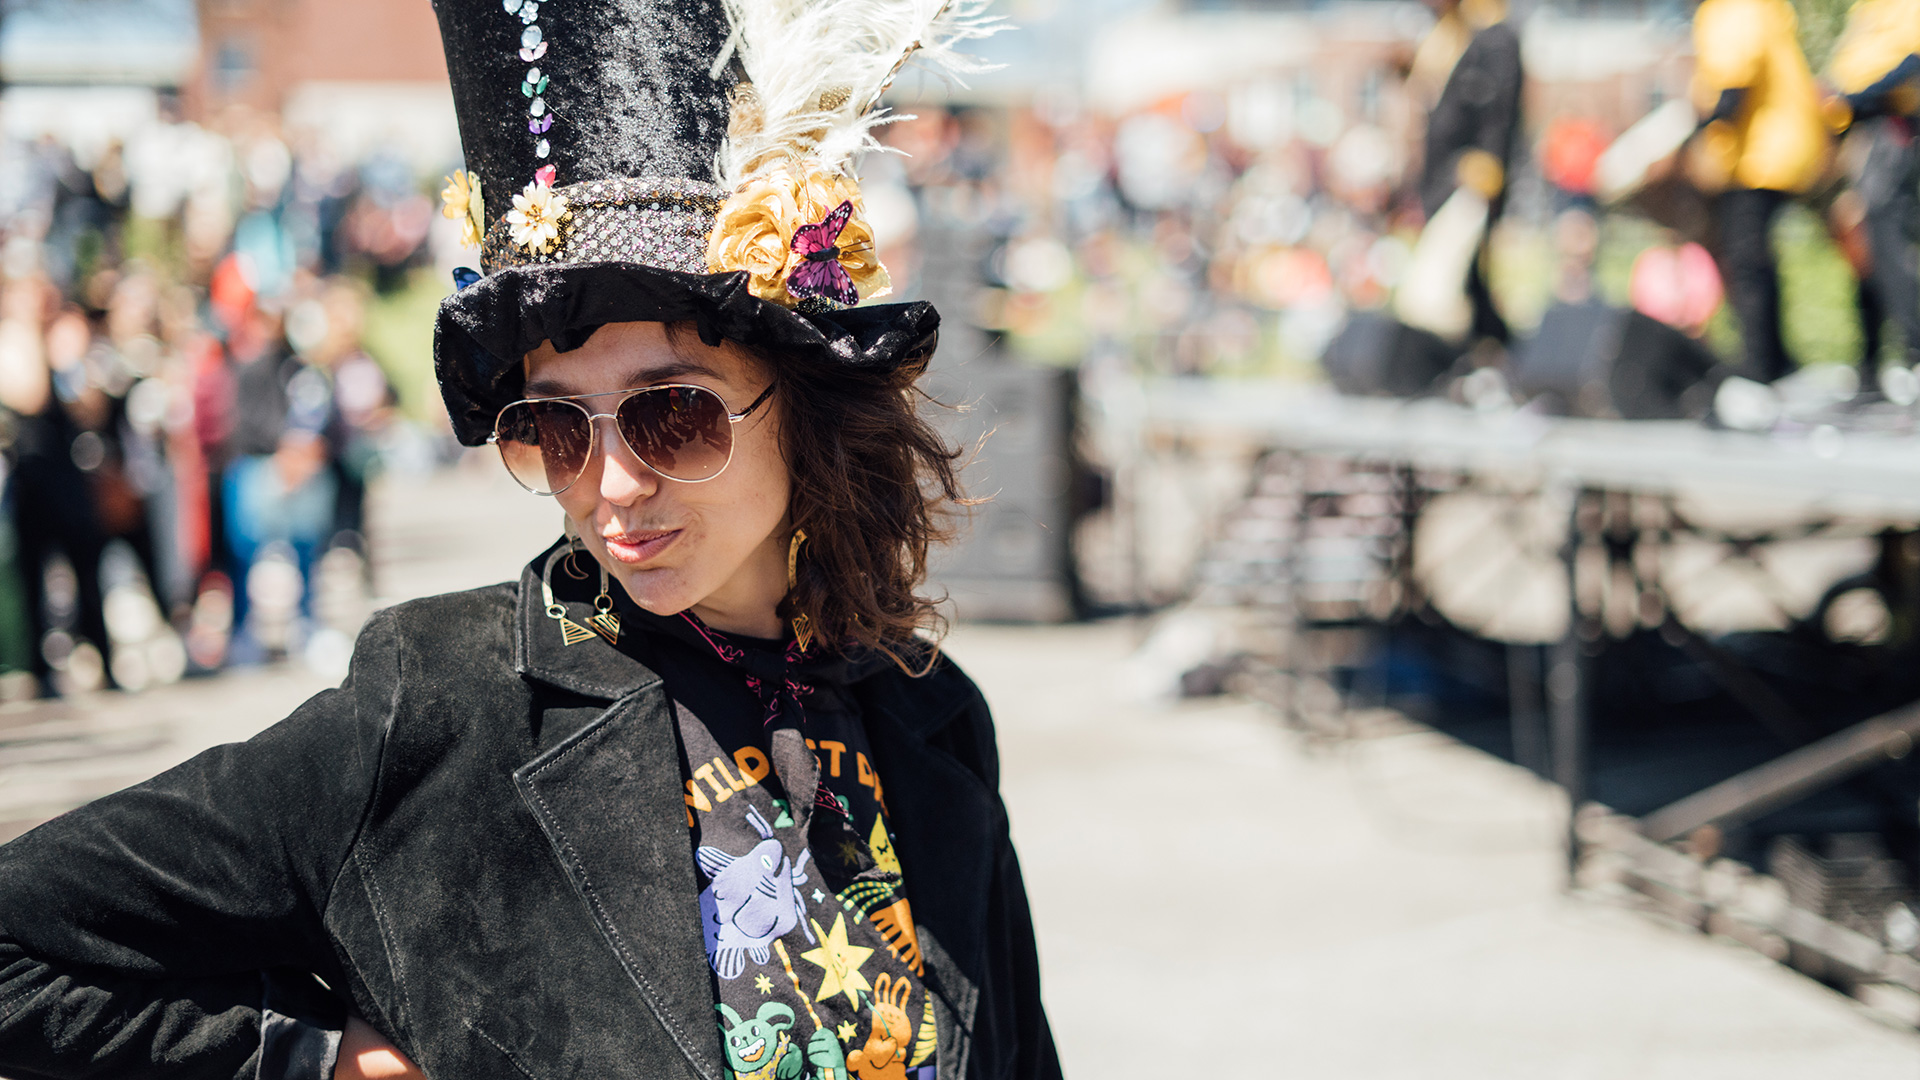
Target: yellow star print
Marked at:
840, 960
846, 1031
763, 984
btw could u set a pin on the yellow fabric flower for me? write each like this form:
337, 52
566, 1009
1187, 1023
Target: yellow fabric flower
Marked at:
461, 201
536, 216
756, 226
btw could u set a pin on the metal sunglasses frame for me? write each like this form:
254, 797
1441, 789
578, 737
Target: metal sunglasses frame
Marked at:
593, 429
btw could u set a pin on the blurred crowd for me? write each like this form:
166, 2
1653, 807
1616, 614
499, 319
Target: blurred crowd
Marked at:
188, 411
1233, 230
193, 406
1206, 232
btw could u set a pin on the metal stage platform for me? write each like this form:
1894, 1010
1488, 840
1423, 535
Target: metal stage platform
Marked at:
1709, 639
1835, 473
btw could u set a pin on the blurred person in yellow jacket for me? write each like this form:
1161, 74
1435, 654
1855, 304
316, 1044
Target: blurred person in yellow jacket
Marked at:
1763, 141
1876, 70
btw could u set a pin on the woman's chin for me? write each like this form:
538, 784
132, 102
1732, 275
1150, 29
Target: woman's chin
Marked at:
662, 592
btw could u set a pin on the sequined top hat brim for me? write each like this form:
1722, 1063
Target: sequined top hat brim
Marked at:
485, 330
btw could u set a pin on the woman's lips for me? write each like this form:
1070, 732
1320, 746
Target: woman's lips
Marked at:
639, 547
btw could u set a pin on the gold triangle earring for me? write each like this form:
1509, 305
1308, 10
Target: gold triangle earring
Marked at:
802, 626
603, 620
571, 633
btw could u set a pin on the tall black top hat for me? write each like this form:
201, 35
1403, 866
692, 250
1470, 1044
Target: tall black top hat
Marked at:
641, 160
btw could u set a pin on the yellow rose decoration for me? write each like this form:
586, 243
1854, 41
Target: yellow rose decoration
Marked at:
757, 224
460, 201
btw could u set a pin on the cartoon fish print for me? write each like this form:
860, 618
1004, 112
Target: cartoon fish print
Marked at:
752, 899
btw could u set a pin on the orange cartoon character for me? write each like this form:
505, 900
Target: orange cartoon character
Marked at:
884, 1057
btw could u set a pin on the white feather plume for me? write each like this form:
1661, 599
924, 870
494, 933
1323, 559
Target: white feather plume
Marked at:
817, 69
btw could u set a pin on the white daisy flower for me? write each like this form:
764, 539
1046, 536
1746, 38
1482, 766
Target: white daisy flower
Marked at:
536, 216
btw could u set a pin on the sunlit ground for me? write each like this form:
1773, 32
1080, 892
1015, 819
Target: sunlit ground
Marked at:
1214, 898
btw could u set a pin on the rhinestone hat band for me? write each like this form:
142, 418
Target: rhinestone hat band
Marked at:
658, 222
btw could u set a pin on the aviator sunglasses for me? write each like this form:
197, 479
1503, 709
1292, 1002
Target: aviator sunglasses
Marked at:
680, 431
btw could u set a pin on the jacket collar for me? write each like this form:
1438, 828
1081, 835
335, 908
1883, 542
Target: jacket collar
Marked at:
594, 669
591, 668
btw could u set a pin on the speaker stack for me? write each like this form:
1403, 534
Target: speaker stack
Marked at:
1013, 559
1614, 363
1376, 355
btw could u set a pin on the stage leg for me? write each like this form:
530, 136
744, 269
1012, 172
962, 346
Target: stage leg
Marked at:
1567, 680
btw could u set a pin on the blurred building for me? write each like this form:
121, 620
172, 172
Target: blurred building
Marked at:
358, 73
90, 72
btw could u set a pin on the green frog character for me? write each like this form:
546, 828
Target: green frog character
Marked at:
760, 1049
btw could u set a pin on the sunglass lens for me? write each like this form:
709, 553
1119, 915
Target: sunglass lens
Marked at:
682, 432
544, 443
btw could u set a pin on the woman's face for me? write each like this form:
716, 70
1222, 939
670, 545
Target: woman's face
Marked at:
717, 547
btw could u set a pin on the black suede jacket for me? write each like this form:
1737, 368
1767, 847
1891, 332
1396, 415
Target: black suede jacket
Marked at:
479, 844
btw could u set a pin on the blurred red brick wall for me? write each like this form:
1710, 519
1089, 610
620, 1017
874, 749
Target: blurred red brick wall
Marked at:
254, 51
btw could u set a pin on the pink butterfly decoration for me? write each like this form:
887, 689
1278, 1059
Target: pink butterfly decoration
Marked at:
820, 272
545, 175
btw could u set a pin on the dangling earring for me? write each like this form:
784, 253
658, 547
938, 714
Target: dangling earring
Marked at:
571, 632
603, 620
574, 548
802, 626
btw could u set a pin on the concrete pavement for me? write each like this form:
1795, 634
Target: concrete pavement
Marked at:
1216, 897
1213, 896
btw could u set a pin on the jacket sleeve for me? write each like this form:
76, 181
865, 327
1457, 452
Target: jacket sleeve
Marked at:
1018, 1018
1010, 927
174, 929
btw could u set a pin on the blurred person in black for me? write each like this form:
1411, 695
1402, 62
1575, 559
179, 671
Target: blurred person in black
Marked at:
133, 489
88, 214
1473, 127
1876, 70
44, 378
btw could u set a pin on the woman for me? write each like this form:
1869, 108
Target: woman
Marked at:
692, 797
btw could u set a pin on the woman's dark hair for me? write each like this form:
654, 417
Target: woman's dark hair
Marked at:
874, 487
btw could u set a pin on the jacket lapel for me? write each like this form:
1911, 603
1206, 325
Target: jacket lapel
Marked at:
610, 802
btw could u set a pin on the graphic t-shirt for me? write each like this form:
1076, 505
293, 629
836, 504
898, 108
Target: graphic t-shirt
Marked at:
809, 933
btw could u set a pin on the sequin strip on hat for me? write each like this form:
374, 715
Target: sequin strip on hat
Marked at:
659, 222
533, 46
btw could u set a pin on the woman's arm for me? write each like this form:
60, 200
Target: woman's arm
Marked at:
365, 1054
1015, 1019
1011, 926
174, 928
